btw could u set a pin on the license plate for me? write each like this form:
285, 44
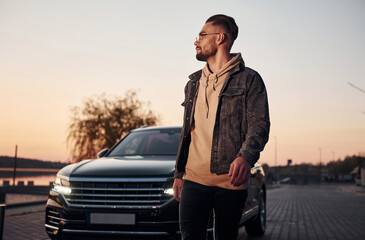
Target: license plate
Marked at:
112, 218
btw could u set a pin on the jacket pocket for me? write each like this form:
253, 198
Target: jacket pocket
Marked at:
233, 92
232, 102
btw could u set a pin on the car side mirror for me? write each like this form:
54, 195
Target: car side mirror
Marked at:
102, 152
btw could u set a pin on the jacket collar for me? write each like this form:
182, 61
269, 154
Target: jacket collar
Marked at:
196, 76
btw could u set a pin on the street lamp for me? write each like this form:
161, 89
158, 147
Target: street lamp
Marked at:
320, 156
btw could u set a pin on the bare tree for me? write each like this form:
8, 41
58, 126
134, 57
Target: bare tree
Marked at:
101, 121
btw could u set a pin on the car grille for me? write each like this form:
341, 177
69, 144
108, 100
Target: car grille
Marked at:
120, 193
53, 219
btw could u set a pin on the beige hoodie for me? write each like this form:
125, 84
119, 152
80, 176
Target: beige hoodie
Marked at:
198, 165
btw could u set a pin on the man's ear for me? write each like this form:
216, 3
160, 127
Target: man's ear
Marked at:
221, 38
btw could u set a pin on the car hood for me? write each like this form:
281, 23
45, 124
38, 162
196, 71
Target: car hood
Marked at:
129, 166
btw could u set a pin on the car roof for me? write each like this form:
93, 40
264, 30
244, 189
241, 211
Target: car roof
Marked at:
149, 128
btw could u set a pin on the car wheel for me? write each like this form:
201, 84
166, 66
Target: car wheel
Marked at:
257, 225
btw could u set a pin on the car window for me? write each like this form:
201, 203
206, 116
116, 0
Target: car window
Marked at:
149, 142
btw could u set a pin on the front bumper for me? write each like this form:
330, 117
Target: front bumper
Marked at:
63, 221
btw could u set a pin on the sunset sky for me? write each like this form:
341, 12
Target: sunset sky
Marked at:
54, 54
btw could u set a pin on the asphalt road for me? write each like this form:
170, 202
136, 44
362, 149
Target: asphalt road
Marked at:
293, 212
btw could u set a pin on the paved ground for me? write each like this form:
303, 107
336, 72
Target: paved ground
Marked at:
16, 198
315, 212
294, 212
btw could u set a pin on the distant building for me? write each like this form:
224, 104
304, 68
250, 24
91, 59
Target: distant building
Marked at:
356, 175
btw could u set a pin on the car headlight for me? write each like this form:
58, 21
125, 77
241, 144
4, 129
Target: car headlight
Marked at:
169, 191
62, 185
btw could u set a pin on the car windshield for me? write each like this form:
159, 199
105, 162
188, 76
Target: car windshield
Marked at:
148, 142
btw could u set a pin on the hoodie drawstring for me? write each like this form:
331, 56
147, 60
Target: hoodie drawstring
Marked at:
206, 97
216, 76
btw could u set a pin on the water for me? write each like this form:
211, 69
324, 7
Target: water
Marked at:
41, 180
28, 176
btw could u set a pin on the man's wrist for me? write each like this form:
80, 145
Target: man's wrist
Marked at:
248, 157
178, 175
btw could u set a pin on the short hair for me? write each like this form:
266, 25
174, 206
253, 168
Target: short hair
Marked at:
227, 22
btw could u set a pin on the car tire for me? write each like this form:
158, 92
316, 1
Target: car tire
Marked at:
257, 225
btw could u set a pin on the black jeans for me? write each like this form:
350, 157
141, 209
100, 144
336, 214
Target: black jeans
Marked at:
198, 201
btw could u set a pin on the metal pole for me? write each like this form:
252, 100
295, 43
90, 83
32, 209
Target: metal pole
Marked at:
2, 215
361, 90
276, 155
352, 85
15, 160
320, 157
320, 165
2, 212
275, 152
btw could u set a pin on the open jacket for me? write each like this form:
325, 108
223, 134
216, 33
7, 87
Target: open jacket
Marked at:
242, 120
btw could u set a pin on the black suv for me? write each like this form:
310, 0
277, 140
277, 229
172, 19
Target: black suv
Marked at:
127, 192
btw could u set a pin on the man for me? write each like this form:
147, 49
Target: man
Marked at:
226, 126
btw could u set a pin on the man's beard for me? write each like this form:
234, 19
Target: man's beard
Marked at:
204, 56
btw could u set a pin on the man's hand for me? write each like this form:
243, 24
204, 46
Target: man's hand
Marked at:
177, 188
239, 171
